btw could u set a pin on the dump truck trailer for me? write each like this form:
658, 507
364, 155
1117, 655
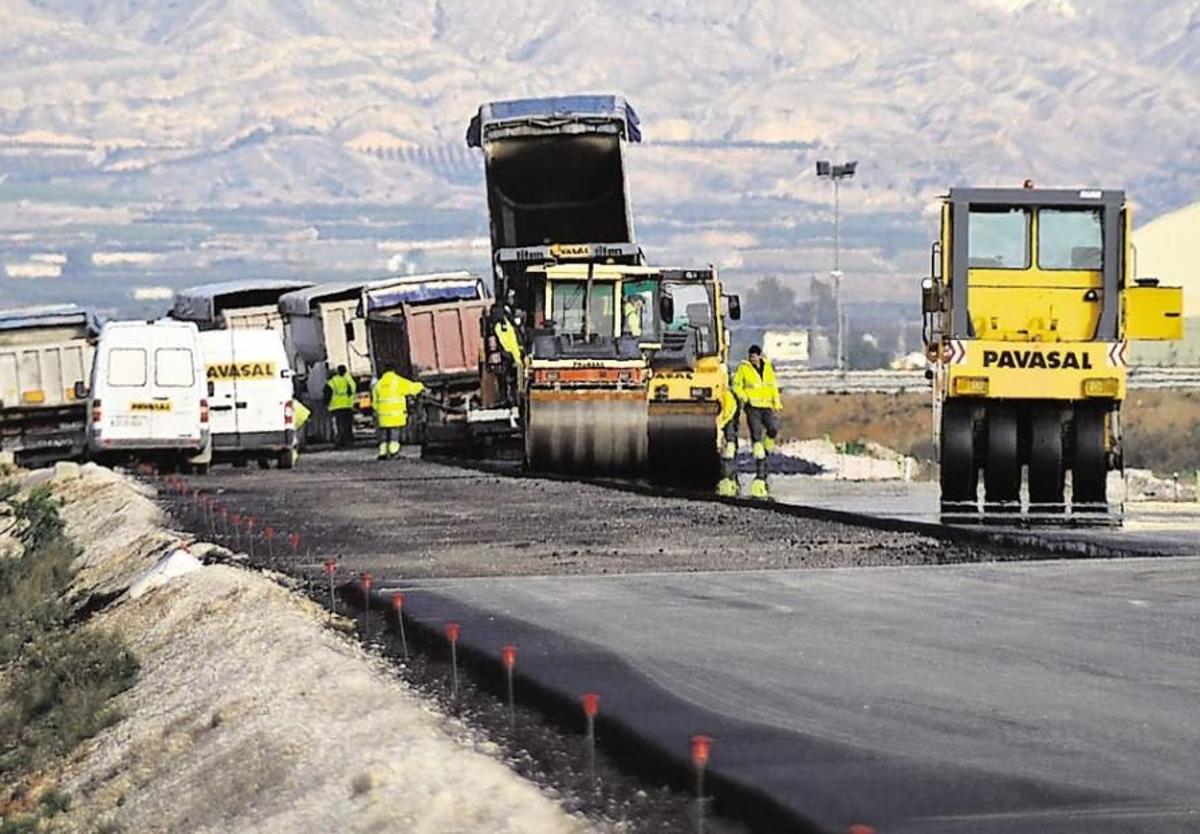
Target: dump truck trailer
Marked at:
232, 304
45, 363
1031, 303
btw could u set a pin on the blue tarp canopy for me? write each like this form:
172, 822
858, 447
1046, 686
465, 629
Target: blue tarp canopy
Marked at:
551, 115
205, 302
428, 289
53, 315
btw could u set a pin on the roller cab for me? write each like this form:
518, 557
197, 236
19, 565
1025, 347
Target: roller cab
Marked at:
1028, 311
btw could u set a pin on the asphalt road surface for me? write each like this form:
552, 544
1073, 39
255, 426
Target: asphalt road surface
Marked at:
1041, 697
1048, 697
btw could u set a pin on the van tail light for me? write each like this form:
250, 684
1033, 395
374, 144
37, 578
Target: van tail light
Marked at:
289, 413
204, 412
96, 413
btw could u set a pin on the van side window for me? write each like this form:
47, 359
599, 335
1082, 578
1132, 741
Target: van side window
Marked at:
174, 368
127, 367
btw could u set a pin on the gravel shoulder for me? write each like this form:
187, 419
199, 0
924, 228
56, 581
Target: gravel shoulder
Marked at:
418, 519
252, 714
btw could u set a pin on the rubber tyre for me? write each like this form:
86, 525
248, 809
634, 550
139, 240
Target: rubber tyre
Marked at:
1089, 471
1046, 468
1002, 471
959, 469
287, 460
264, 463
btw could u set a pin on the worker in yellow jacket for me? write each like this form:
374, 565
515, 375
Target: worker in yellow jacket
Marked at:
340, 389
389, 399
727, 422
755, 388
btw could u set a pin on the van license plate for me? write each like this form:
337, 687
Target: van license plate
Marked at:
128, 421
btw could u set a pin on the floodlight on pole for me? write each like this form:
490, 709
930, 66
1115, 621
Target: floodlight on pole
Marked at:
837, 173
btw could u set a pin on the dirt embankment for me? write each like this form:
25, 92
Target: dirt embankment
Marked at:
251, 714
1162, 428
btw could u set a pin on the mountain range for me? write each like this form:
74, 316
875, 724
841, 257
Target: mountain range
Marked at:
156, 142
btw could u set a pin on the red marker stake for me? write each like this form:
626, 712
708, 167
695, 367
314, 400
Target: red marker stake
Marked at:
591, 707
398, 607
367, 580
509, 655
701, 749
330, 567
250, 533
237, 531
269, 535
294, 541
452, 632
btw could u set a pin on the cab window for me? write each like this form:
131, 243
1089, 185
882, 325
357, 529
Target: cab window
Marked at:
694, 311
998, 238
174, 368
1070, 239
637, 309
569, 298
126, 367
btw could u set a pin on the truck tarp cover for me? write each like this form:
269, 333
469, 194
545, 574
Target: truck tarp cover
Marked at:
62, 315
440, 290
206, 302
555, 172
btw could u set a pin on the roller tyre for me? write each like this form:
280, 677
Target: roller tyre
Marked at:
1046, 461
1002, 472
959, 469
1089, 473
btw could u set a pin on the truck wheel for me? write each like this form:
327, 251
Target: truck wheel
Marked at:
1046, 459
959, 470
264, 463
287, 459
1089, 473
200, 468
1002, 472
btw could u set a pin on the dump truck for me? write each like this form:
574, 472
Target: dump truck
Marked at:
360, 323
561, 232
232, 304
429, 328
45, 362
1032, 300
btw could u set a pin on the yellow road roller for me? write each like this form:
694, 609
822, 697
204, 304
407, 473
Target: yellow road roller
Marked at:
1032, 299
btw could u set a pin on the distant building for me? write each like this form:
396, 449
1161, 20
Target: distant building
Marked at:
786, 348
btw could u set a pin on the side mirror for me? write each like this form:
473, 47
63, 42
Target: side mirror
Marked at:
212, 388
666, 309
286, 373
931, 300
349, 327
735, 307
81, 390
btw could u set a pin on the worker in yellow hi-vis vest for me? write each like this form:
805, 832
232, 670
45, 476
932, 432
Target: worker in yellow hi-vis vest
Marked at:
339, 398
727, 422
755, 387
389, 398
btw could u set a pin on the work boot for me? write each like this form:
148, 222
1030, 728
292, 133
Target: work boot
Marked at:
759, 490
727, 488
383, 452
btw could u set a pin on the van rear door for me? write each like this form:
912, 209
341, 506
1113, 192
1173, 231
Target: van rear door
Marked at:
127, 407
220, 371
175, 390
263, 387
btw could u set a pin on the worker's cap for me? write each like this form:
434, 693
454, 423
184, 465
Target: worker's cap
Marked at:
755, 350
341, 369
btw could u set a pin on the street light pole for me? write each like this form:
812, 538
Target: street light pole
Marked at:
837, 173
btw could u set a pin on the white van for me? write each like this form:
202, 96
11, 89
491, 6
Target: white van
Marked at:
251, 396
148, 398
